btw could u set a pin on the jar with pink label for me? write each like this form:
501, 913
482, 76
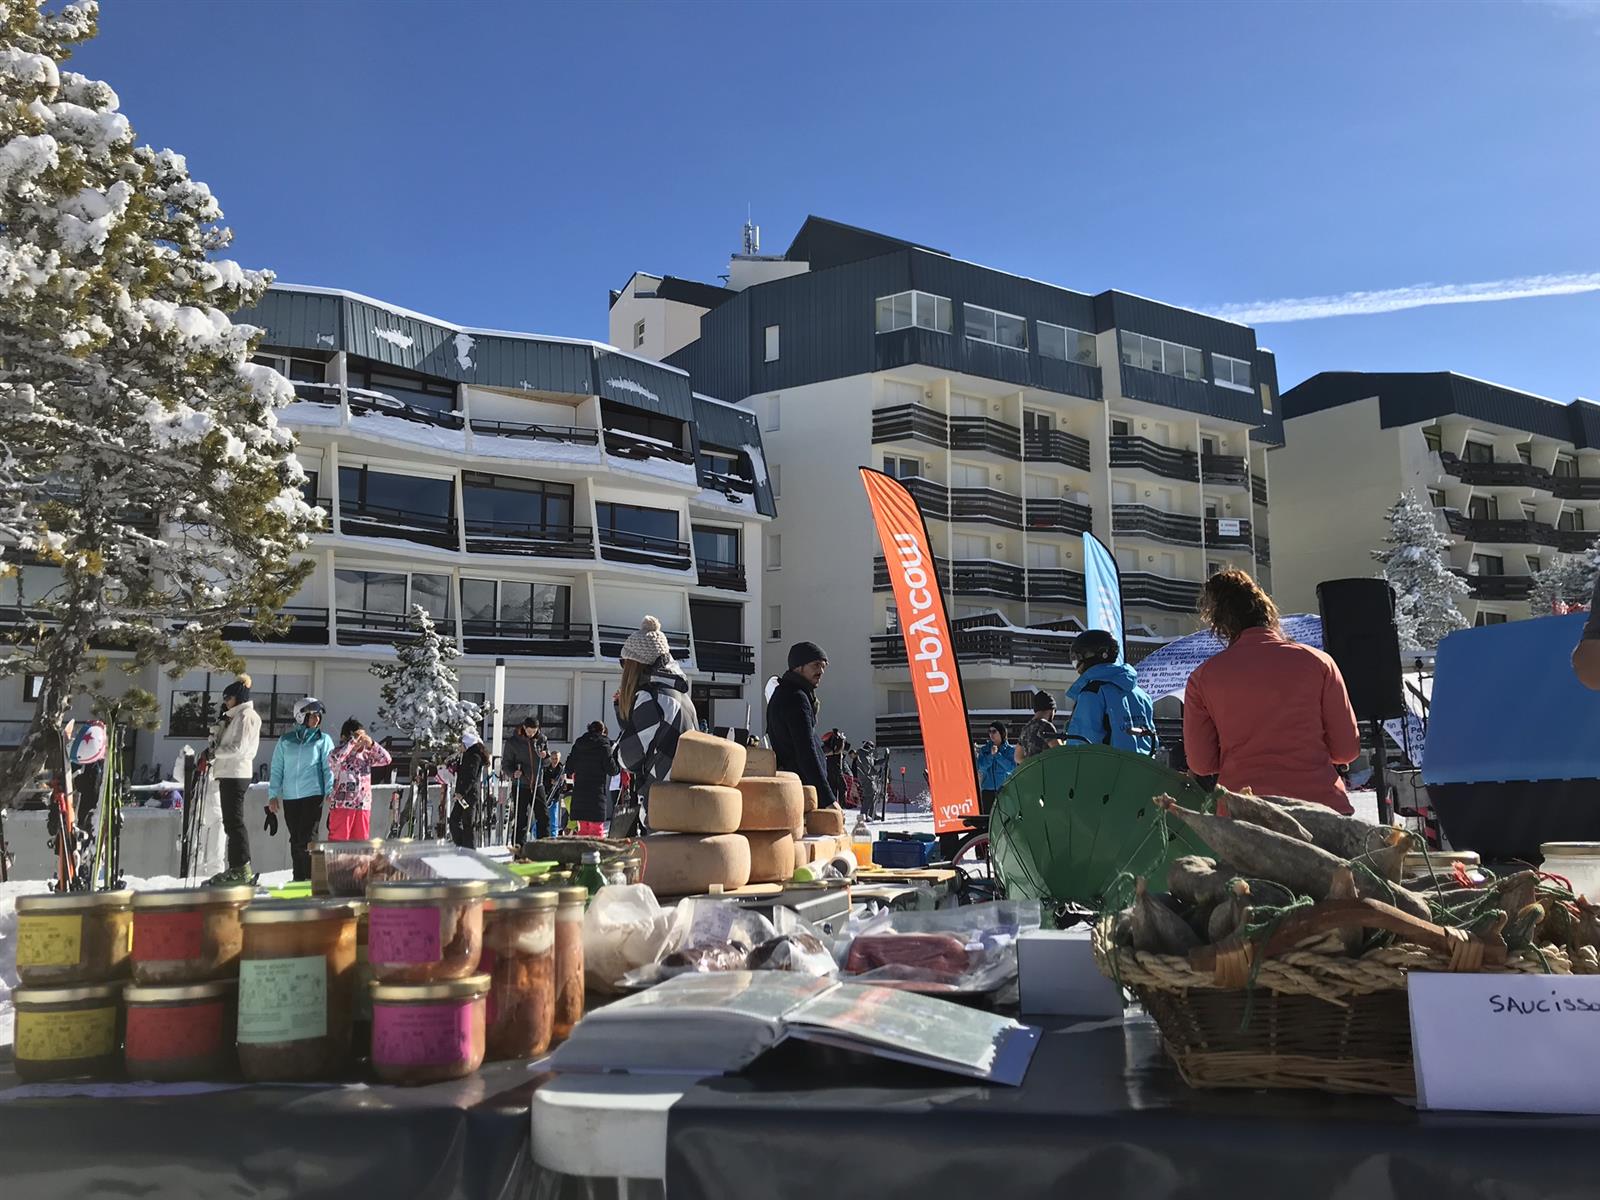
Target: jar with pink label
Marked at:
426, 930
429, 1032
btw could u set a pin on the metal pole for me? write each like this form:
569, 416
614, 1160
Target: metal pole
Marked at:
1385, 810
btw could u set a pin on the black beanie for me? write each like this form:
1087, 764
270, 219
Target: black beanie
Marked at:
239, 689
802, 653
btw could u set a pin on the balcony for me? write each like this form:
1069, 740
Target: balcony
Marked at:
735, 487
486, 536
1057, 586
971, 577
986, 505
728, 576
621, 545
534, 639
570, 435
1263, 551
612, 637
1057, 446
724, 658
1225, 469
986, 435
1575, 487
909, 423
1006, 647
639, 448
1258, 490
1499, 587
382, 404
903, 730
380, 521
1059, 516
1157, 591
1131, 452
1142, 520
369, 627
1216, 539
1497, 474
307, 627
1518, 533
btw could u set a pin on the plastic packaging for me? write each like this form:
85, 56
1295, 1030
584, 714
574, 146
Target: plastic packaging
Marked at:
426, 1033
709, 934
425, 931
1578, 863
68, 1032
188, 935
569, 999
342, 868
970, 950
296, 989
624, 927
519, 956
181, 1033
74, 937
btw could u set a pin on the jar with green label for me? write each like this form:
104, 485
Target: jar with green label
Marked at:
68, 1032
74, 937
296, 989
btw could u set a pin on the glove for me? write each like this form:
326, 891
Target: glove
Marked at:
271, 824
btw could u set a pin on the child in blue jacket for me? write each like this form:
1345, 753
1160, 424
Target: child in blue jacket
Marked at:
1110, 708
302, 781
996, 761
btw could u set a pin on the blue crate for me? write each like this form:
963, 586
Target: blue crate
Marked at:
903, 855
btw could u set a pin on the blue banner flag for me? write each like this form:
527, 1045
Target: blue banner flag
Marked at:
1102, 584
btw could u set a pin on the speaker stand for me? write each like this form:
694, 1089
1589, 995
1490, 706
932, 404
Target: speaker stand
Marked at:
1379, 780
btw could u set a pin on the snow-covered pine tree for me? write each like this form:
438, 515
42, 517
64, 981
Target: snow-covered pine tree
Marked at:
1425, 590
147, 485
1568, 580
418, 697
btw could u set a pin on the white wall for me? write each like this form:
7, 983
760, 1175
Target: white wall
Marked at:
669, 325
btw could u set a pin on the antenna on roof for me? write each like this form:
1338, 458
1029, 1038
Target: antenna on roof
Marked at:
752, 234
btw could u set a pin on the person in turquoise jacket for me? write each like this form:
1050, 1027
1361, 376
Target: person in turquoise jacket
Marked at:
1110, 708
301, 781
996, 761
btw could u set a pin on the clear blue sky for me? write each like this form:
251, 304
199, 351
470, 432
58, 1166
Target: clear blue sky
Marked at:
505, 164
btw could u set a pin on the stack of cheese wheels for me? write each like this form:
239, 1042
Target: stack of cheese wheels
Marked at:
773, 808
697, 814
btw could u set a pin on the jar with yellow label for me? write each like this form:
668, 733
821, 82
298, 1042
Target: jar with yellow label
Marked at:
68, 1032
296, 989
74, 937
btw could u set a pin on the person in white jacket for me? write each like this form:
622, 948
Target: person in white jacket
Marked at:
233, 765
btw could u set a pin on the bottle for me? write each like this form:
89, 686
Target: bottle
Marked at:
590, 876
861, 841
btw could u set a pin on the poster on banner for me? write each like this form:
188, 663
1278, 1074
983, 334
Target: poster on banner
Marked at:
1229, 527
930, 650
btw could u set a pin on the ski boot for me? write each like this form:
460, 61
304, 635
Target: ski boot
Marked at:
233, 876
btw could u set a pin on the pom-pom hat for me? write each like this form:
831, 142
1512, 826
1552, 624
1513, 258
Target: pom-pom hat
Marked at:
647, 644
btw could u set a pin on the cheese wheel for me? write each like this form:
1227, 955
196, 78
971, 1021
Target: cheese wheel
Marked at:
759, 760
829, 821
771, 803
685, 864
786, 775
811, 797
701, 758
771, 855
695, 808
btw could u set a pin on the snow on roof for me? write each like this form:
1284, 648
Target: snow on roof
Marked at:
724, 403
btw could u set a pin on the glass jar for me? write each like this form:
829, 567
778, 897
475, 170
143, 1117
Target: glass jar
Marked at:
519, 956
296, 989
570, 903
188, 935
1576, 862
74, 937
343, 868
425, 931
361, 1017
428, 1032
180, 1033
68, 1032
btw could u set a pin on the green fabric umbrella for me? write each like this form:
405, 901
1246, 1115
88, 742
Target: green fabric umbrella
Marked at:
1076, 824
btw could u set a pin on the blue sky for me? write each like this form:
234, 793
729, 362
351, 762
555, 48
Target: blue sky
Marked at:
505, 164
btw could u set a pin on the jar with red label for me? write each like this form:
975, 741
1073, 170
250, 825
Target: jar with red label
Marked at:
188, 935
68, 1032
428, 1032
519, 956
425, 931
73, 937
181, 1033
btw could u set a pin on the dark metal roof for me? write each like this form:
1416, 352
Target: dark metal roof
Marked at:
1412, 397
824, 243
684, 291
736, 430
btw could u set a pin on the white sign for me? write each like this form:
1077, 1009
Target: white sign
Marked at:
1506, 1043
1229, 528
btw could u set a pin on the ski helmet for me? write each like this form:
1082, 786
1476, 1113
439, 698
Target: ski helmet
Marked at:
305, 707
1094, 647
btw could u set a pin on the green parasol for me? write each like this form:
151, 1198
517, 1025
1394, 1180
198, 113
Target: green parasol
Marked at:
1076, 824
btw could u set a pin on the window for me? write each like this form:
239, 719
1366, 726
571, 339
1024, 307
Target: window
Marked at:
502, 500
1525, 452
309, 489
905, 309
717, 621
1003, 329
775, 475
1121, 427
552, 718
1479, 452
891, 619
1436, 497
638, 334
194, 710
1069, 345
1153, 354
434, 395
1214, 568
1266, 399
32, 688
772, 343
493, 607
1570, 518
1529, 511
965, 475
363, 594
1566, 467
716, 546
1037, 422
1489, 618
631, 524
1433, 437
1483, 508
769, 415
902, 467
364, 491
717, 461
774, 622
1489, 564
1535, 564
1230, 372
641, 424
774, 551
1209, 444
1212, 512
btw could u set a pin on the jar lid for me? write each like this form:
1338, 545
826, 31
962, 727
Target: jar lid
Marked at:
279, 912
66, 902
65, 995
398, 841
567, 895
1546, 849
194, 897
345, 847
216, 989
535, 898
428, 889
469, 988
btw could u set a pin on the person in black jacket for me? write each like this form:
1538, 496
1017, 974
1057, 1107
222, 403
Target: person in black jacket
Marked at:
792, 720
522, 764
469, 783
590, 767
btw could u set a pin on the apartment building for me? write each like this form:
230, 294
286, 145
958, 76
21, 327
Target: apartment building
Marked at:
1020, 414
1515, 479
536, 495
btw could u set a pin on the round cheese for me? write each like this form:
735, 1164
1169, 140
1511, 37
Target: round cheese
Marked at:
771, 803
771, 855
685, 864
786, 775
811, 797
759, 760
701, 758
694, 808
829, 821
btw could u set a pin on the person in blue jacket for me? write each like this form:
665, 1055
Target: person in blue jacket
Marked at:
996, 761
1110, 708
301, 781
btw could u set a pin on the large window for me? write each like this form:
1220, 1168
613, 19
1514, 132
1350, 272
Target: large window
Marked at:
1170, 358
1231, 372
902, 466
1566, 467
715, 621
988, 325
363, 490
718, 461
1489, 564
1479, 452
435, 395
195, 709
385, 594
507, 606
1070, 345
905, 309
1489, 618
503, 500
630, 524
1433, 437
1571, 518
716, 546
1483, 508
642, 424
772, 333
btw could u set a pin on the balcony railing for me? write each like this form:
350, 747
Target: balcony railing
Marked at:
1131, 452
364, 401
987, 435
986, 505
381, 521
621, 545
1052, 584
1142, 520
367, 626
1003, 647
971, 577
896, 730
1575, 487
1049, 515
1497, 474
1263, 550
632, 445
485, 536
1157, 591
16, 616
536, 639
933, 499
1258, 489
909, 422
1225, 469
307, 627
726, 658
1499, 587
568, 434
1216, 539
1575, 541
1518, 533
612, 637
1056, 445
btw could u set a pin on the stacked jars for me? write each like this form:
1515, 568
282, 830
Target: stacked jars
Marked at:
73, 955
297, 990
519, 956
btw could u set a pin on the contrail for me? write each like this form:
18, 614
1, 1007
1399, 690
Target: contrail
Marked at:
1421, 295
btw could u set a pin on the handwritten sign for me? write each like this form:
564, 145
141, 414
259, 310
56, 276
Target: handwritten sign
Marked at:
1228, 528
1506, 1043
283, 999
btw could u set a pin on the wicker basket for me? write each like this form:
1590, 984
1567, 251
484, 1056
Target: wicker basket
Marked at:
1312, 1018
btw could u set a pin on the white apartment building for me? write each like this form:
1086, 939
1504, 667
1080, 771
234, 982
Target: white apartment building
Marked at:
536, 495
1019, 414
1515, 479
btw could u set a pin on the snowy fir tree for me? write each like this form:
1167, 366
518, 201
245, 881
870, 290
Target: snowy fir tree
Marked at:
1425, 590
149, 496
1567, 583
418, 697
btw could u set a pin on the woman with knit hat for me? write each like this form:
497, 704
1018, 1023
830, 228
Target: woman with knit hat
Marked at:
234, 743
652, 706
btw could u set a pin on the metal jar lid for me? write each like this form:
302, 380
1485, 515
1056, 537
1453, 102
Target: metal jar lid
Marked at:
217, 989
1546, 849
534, 898
195, 897
71, 902
470, 988
406, 890
345, 847
280, 912
67, 995
566, 895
